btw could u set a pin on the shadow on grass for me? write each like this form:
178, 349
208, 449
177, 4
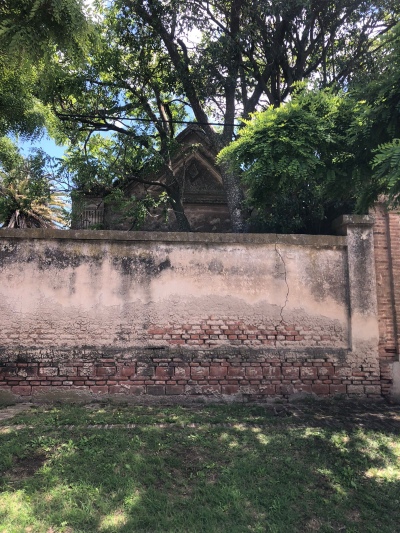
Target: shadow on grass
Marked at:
286, 476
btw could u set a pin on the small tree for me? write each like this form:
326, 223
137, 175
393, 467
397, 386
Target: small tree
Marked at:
27, 198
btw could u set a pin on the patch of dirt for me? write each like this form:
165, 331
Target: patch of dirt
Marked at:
348, 415
25, 467
313, 525
9, 412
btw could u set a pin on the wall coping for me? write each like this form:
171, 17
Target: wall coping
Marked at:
323, 241
341, 223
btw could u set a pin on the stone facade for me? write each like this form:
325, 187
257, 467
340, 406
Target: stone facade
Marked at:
203, 195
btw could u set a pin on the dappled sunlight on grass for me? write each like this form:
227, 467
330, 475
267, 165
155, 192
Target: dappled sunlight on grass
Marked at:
212, 476
263, 439
114, 520
384, 474
240, 427
132, 499
332, 480
17, 513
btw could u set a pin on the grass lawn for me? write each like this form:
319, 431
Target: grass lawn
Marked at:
326, 467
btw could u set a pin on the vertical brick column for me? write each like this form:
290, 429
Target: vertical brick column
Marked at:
364, 331
387, 264
384, 280
393, 222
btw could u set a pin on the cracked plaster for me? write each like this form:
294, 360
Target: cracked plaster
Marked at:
83, 292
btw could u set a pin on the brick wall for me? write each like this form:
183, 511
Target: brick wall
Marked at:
212, 331
387, 261
242, 373
248, 317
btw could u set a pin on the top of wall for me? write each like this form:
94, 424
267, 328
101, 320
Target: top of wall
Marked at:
209, 238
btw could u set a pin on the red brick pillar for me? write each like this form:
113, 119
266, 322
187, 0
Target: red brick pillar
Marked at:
387, 266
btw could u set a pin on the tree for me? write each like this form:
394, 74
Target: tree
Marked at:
378, 127
98, 170
35, 29
294, 160
324, 149
250, 54
27, 198
32, 33
386, 165
20, 111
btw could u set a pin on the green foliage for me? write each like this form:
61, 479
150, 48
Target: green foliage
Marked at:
36, 28
105, 166
293, 160
324, 152
135, 210
276, 44
10, 156
92, 165
377, 129
27, 198
21, 112
112, 93
32, 34
145, 67
386, 165
139, 73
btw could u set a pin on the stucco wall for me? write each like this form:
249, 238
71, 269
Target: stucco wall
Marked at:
179, 301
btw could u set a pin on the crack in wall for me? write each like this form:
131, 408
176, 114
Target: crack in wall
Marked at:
285, 277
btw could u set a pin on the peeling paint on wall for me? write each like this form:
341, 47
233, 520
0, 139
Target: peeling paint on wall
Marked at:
117, 291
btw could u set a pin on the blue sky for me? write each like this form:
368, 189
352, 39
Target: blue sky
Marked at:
51, 148
47, 144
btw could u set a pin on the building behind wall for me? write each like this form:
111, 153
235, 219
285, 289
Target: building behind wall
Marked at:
203, 193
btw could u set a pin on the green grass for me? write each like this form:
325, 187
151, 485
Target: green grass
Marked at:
226, 468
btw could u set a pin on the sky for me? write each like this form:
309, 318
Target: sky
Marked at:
50, 147
47, 145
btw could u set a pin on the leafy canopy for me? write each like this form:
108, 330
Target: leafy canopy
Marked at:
151, 64
325, 149
165, 61
293, 159
33, 33
36, 29
379, 124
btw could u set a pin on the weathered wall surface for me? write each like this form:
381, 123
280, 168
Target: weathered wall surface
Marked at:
253, 316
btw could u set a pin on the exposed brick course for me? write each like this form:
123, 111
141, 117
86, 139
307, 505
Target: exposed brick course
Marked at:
208, 333
253, 374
